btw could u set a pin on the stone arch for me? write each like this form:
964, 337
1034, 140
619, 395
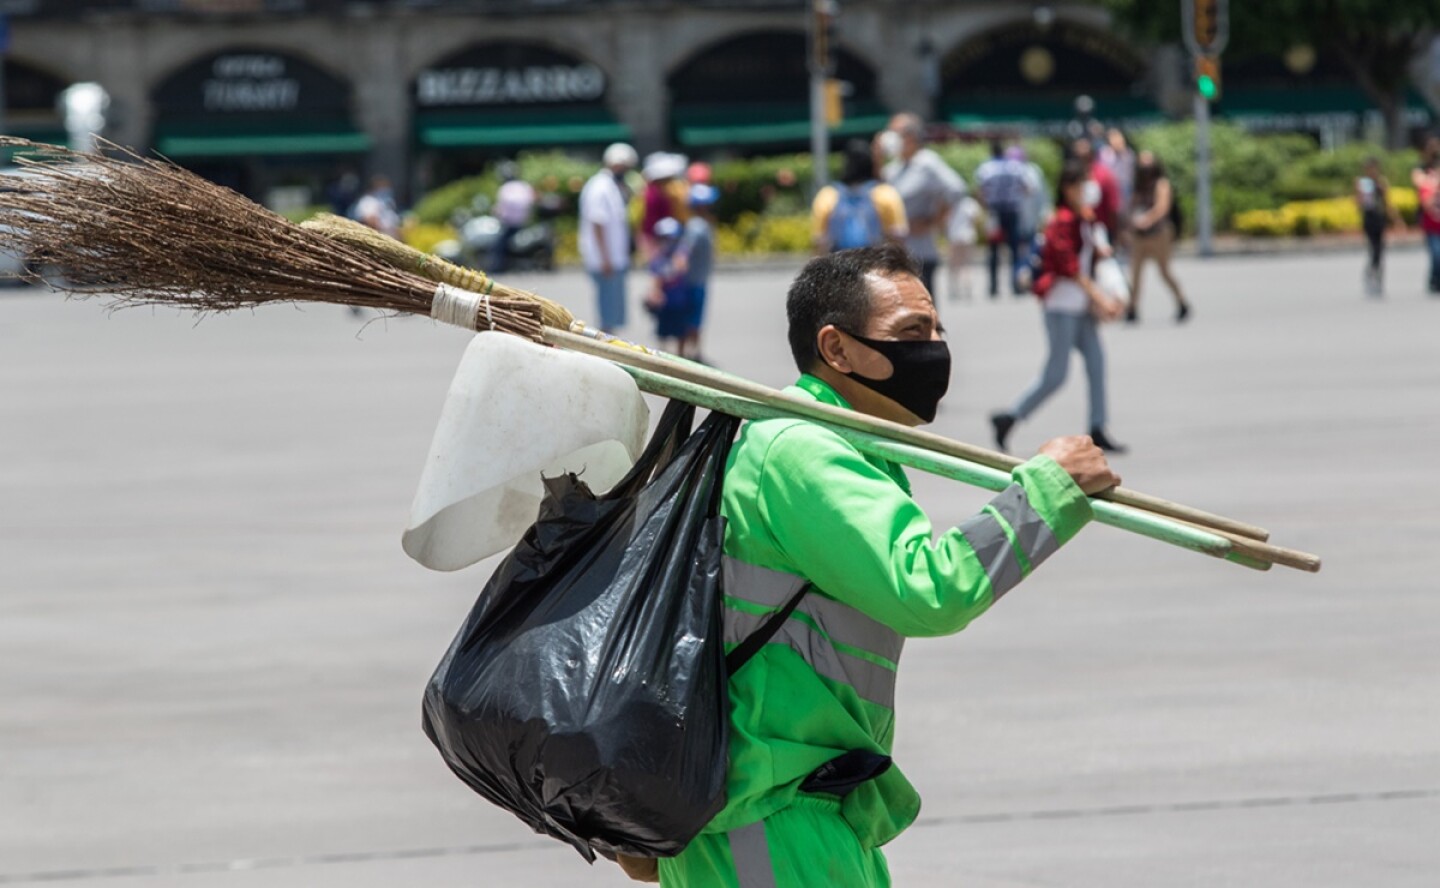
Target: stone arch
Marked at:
1025, 71
751, 88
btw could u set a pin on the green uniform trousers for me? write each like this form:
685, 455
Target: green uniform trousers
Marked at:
805, 845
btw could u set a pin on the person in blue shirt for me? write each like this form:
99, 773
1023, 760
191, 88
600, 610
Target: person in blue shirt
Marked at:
695, 258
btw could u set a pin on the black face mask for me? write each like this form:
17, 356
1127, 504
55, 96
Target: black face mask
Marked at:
921, 376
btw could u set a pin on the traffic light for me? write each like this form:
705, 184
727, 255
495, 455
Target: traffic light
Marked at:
1207, 77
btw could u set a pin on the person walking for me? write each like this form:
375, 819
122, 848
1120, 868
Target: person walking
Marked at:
605, 233
1074, 305
1003, 183
962, 231
928, 187
1377, 213
831, 537
1153, 227
376, 208
696, 258
858, 212
1107, 211
1426, 179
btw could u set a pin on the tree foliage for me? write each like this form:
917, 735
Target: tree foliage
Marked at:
1375, 39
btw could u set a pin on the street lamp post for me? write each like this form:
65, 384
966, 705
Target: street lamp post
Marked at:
822, 22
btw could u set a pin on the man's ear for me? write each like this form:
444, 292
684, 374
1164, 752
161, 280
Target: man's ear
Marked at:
833, 345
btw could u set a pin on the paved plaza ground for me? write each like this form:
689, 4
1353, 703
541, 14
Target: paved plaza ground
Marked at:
212, 647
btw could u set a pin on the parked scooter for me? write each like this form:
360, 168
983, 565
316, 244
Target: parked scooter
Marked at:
529, 248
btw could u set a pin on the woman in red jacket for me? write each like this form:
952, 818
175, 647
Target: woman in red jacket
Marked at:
1074, 305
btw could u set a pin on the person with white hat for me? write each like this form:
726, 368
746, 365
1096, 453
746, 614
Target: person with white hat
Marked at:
667, 196
605, 233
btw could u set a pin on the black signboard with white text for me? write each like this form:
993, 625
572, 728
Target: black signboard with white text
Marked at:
249, 81
509, 75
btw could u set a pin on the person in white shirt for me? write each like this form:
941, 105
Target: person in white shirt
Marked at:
605, 233
376, 208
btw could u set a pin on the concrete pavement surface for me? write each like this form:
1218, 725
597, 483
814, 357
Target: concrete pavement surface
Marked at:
212, 648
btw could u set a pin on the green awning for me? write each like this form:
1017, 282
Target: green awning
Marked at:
721, 125
1243, 102
1032, 110
48, 134
518, 128
264, 138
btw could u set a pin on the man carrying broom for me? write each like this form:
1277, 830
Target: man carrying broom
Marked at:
812, 794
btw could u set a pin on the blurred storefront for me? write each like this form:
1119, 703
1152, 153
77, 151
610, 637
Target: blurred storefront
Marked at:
491, 99
32, 104
1026, 76
256, 119
751, 93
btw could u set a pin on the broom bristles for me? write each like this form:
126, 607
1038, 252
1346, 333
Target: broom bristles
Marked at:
149, 232
428, 265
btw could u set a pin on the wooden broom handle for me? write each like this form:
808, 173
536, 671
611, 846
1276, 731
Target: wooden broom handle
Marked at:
635, 356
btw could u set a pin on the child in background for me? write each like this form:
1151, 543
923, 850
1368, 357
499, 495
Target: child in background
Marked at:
669, 296
960, 232
695, 257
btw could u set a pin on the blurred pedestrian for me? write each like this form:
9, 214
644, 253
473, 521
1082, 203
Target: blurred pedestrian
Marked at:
668, 298
605, 233
1034, 214
514, 204
1120, 160
1426, 179
376, 208
859, 211
695, 258
1377, 213
342, 192
962, 231
1153, 223
666, 196
1107, 212
929, 189
1004, 188
1074, 305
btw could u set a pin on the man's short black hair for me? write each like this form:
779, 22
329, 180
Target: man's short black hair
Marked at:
832, 290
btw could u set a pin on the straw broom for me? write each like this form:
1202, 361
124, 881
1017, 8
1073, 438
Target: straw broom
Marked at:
153, 233
148, 232
1246, 541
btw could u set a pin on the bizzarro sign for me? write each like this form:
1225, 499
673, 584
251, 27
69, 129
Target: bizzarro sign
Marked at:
509, 74
251, 81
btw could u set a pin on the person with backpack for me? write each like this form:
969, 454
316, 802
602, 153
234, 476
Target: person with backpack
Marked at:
1074, 304
1155, 223
1004, 184
859, 211
829, 543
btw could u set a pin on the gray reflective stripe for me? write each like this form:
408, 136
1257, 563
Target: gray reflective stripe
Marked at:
849, 626
1031, 531
759, 585
992, 547
870, 681
751, 854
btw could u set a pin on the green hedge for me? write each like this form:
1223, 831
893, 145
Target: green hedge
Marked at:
1249, 173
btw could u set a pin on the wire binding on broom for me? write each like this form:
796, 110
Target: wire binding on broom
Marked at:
144, 231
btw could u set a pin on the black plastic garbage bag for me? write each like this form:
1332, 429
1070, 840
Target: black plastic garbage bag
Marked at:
585, 692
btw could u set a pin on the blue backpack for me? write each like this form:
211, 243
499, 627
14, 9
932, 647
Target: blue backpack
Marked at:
854, 222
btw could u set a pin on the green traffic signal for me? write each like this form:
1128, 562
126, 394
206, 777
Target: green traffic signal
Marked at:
1207, 86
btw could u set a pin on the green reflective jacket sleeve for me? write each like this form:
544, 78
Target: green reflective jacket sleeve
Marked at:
849, 526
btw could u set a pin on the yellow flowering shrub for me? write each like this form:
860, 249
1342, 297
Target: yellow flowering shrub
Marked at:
1306, 217
424, 236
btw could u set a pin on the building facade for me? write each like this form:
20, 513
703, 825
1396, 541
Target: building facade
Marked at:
265, 93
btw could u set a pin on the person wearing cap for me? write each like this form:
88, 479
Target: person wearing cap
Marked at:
605, 233
695, 257
666, 195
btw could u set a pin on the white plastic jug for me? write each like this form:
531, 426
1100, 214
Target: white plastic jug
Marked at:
515, 411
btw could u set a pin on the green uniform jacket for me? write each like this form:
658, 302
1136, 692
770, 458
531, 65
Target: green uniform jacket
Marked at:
803, 505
